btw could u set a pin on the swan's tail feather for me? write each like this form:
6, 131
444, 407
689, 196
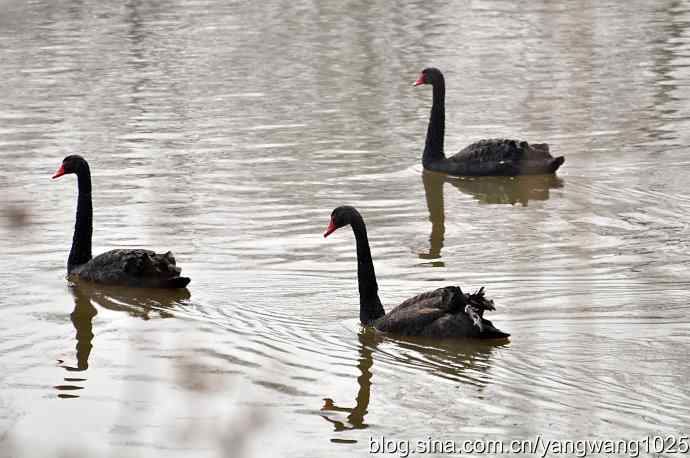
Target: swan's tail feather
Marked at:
176, 282
476, 305
479, 301
536, 151
490, 332
540, 152
556, 163
476, 316
149, 269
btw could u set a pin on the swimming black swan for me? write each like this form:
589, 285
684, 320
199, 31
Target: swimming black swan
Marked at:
445, 312
127, 267
486, 157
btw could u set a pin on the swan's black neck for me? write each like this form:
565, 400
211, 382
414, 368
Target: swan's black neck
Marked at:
370, 307
433, 150
83, 228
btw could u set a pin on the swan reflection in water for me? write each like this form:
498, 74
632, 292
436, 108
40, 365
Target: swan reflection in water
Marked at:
138, 302
368, 340
463, 360
487, 190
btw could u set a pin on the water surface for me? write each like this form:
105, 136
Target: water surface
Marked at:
227, 132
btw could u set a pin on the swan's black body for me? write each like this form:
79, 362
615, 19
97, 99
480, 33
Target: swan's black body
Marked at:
127, 267
132, 267
444, 313
493, 157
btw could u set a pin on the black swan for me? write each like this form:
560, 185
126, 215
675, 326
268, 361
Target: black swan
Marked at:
497, 157
126, 267
443, 313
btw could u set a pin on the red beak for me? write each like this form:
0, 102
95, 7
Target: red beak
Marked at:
419, 81
60, 172
330, 229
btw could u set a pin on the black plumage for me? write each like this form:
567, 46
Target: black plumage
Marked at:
443, 313
133, 267
492, 157
127, 267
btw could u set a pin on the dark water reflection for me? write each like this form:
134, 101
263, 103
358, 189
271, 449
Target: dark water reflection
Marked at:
82, 319
446, 359
487, 190
227, 132
503, 190
137, 302
355, 415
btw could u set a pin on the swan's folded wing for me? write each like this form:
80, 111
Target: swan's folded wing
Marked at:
445, 312
494, 151
460, 324
499, 156
126, 266
146, 263
539, 151
409, 321
449, 298
420, 311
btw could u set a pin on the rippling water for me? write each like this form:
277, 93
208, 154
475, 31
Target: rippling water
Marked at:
227, 132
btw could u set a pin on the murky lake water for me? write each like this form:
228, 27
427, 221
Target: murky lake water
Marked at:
227, 132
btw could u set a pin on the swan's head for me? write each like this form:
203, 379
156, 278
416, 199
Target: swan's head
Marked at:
429, 76
70, 164
341, 216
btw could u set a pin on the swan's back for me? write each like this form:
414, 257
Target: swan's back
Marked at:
442, 313
133, 267
500, 156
